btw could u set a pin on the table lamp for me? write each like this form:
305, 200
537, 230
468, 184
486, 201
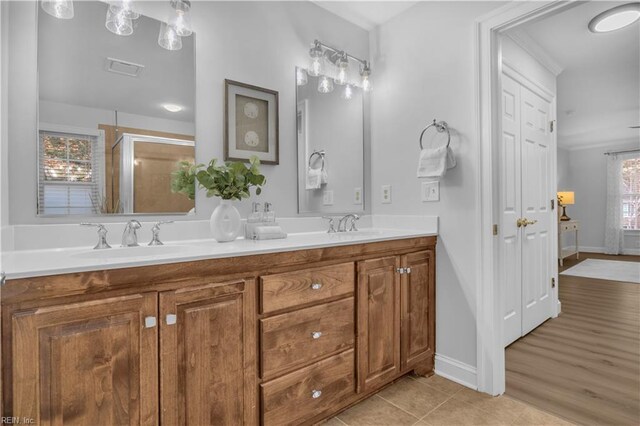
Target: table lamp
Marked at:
565, 198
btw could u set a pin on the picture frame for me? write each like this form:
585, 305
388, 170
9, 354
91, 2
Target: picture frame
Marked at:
251, 123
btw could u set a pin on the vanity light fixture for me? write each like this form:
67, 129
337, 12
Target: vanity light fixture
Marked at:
172, 107
317, 56
182, 19
169, 38
124, 6
61, 9
615, 18
301, 77
342, 63
118, 22
325, 84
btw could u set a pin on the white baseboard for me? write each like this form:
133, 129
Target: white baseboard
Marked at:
629, 251
456, 371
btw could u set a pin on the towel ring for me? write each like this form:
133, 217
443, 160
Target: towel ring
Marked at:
320, 154
441, 126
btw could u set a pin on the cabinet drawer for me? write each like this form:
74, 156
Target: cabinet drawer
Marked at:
295, 338
281, 291
301, 395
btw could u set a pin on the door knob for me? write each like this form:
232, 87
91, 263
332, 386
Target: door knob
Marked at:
524, 222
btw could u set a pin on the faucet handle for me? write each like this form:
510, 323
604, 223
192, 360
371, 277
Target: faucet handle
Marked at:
102, 235
155, 232
355, 218
332, 227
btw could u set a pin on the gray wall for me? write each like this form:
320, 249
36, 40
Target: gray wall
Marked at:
259, 43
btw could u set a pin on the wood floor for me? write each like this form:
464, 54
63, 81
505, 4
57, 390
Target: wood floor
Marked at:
583, 366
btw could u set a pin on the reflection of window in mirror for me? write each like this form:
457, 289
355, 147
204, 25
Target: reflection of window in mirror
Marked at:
71, 177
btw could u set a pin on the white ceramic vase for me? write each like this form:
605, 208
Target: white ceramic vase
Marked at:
225, 222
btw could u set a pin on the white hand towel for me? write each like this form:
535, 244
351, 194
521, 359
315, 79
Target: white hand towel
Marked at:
324, 176
314, 178
451, 159
432, 163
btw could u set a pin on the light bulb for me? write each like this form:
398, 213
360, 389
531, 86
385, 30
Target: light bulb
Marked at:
325, 84
366, 83
169, 38
343, 69
61, 9
182, 19
315, 68
118, 22
301, 77
348, 92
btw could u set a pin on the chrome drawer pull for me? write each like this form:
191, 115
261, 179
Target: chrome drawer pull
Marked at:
316, 334
316, 394
316, 286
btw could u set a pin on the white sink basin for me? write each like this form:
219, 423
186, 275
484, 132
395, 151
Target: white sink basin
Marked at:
130, 252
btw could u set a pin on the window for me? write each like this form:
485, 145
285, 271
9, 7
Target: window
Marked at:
70, 173
631, 193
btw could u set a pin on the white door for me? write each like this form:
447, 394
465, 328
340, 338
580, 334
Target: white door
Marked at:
525, 197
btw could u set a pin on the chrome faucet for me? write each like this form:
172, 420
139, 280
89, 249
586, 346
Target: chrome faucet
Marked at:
155, 232
342, 224
129, 236
102, 236
332, 227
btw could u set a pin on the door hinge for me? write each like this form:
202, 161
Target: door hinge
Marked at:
553, 204
495, 229
551, 125
553, 283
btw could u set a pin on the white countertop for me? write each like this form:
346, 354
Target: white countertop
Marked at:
34, 263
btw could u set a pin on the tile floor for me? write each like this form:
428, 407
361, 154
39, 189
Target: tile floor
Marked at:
436, 401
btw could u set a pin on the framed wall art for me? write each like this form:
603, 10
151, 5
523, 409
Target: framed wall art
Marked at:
250, 123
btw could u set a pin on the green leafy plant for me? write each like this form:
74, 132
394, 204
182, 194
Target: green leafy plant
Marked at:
229, 181
183, 180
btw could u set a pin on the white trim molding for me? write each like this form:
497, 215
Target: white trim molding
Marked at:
490, 344
456, 371
529, 45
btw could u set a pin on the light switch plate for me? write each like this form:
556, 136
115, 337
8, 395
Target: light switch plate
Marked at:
357, 196
386, 194
327, 198
430, 191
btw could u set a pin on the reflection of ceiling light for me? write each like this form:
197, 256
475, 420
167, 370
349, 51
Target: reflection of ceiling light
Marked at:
118, 22
169, 38
616, 18
172, 107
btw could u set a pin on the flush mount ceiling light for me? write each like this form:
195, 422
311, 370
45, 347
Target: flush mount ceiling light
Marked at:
616, 18
172, 107
61, 9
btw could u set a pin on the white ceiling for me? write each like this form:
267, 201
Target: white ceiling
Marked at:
366, 14
71, 65
599, 87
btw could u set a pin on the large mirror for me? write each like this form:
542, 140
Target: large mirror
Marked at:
116, 114
330, 136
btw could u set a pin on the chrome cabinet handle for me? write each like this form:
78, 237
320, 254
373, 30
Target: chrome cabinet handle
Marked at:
149, 322
316, 286
315, 394
316, 334
171, 319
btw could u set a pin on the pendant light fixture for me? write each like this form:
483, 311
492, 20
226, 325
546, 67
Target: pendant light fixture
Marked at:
182, 19
316, 53
124, 6
364, 74
301, 77
342, 64
325, 84
169, 38
61, 9
118, 22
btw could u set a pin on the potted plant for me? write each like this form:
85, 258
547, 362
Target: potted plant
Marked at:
231, 181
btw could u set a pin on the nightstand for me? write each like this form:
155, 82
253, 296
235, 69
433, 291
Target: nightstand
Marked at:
567, 226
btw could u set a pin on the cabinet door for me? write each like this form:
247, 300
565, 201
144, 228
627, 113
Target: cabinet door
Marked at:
378, 322
87, 363
207, 361
418, 311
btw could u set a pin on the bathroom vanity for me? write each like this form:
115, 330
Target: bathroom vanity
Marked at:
288, 335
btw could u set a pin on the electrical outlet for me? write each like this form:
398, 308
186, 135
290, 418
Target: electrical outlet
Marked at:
357, 196
327, 198
430, 191
386, 194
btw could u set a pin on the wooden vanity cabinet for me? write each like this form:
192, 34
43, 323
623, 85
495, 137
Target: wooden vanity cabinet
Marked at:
282, 338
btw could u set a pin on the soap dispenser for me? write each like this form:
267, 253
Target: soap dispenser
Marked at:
256, 215
269, 216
